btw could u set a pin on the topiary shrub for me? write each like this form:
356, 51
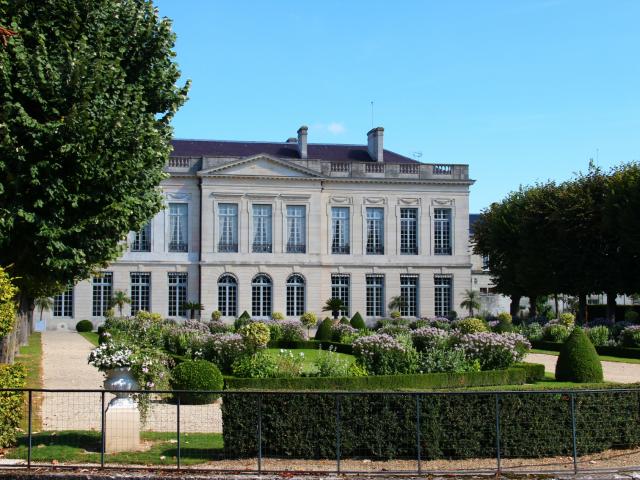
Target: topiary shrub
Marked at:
84, 326
395, 314
344, 321
242, 320
358, 322
216, 315
256, 336
196, 375
504, 317
631, 316
309, 320
325, 330
277, 316
578, 360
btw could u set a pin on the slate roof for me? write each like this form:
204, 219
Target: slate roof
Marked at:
315, 151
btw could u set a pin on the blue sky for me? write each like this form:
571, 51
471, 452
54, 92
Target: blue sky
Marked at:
521, 90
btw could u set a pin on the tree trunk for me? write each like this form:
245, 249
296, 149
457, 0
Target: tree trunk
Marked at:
582, 308
533, 308
611, 306
514, 308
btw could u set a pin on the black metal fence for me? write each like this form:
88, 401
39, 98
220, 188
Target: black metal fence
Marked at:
333, 432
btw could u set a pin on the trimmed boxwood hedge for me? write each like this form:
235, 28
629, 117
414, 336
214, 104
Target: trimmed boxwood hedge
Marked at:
313, 344
622, 352
511, 376
534, 371
12, 406
452, 425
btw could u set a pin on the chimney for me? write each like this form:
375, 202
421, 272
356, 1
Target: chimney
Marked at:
302, 142
375, 144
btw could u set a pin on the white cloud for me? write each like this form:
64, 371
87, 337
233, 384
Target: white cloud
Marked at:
336, 128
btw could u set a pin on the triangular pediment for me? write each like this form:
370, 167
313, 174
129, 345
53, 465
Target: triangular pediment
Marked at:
261, 166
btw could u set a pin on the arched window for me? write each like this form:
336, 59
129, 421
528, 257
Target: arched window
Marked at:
295, 295
261, 297
228, 295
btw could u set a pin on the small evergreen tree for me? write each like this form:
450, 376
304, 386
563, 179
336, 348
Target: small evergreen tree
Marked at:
357, 322
578, 360
325, 330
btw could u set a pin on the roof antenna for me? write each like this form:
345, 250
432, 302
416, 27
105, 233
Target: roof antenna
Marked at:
371, 113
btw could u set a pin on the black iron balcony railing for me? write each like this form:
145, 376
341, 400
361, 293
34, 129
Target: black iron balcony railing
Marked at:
141, 246
262, 248
409, 250
375, 249
228, 247
340, 249
442, 250
177, 246
296, 248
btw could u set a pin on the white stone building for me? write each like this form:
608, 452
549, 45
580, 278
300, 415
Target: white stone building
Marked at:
283, 226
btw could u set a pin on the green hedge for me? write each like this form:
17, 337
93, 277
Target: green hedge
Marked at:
512, 376
452, 425
622, 352
534, 371
11, 403
313, 344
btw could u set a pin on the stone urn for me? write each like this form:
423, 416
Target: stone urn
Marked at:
122, 380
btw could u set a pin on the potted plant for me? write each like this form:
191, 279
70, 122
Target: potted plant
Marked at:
334, 305
192, 307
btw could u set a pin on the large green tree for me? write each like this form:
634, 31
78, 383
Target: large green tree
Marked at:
87, 93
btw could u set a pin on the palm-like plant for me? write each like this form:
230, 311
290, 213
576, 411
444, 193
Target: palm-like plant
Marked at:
42, 304
192, 307
120, 299
334, 305
471, 301
397, 303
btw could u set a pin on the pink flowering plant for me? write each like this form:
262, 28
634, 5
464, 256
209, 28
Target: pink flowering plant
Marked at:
223, 349
427, 338
493, 350
381, 354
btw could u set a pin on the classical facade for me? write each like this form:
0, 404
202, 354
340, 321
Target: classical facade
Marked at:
281, 227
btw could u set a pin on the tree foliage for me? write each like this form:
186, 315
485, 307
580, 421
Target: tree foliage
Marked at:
87, 91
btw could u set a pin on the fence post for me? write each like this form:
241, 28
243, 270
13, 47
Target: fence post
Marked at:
30, 428
102, 430
178, 430
260, 433
573, 433
418, 434
338, 433
498, 431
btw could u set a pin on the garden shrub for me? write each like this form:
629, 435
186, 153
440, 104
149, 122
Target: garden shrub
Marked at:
429, 337
344, 320
358, 322
11, 403
218, 326
504, 317
446, 360
291, 331
216, 315
196, 375
567, 319
630, 336
599, 335
555, 332
419, 323
343, 333
631, 316
242, 320
84, 326
492, 350
616, 329
145, 328
394, 330
223, 349
8, 292
325, 330
441, 323
309, 320
395, 314
256, 336
277, 316
289, 364
533, 332
578, 360
471, 325
382, 354
329, 364
258, 365
314, 345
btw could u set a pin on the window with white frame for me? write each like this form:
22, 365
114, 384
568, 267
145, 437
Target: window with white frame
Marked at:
178, 227
296, 229
340, 230
340, 288
177, 294
261, 297
142, 239
485, 263
262, 228
228, 227
228, 295
375, 295
140, 292
63, 303
408, 231
295, 295
442, 231
102, 290
409, 295
443, 295
375, 231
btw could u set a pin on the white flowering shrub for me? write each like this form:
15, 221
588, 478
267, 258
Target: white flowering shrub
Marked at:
427, 338
493, 350
381, 354
291, 330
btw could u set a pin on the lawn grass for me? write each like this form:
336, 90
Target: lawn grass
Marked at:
83, 446
30, 356
603, 358
92, 337
310, 356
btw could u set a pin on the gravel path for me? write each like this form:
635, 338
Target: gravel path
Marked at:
64, 365
613, 371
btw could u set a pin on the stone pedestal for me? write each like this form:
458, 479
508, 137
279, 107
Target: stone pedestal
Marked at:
122, 429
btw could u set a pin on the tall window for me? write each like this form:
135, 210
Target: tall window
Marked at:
140, 292
408, 231
375, 231
485, 263
296, 229
295, 295
340, 230
261, 228
261, 297
443, 296
102, 289
177, 294
178, 223
63, 303
228, 295
340, 289
142, 239
409, 295
375, 295
442, 231
228, 226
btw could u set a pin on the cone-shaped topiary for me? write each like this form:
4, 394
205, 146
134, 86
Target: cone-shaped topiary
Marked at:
344, 320
325, 330
357, 322
578, 360
242, 320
